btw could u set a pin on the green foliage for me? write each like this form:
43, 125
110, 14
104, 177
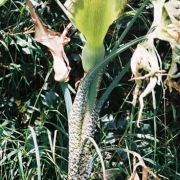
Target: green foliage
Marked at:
30, 98
91, 56
93, 18
2, 2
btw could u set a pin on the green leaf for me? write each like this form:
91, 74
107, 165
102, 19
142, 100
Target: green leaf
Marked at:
102, 64
2, 2
93, 17
112, 86
33, 134
67, 97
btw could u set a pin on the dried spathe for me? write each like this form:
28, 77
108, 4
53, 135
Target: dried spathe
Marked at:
55, 42
166, 27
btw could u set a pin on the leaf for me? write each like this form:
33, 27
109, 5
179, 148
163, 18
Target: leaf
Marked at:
114, 84
55, 42
2, 2
166, 20
38, 161
51, 98
84, 87
67, 97
26, 50
93, 17
172, 84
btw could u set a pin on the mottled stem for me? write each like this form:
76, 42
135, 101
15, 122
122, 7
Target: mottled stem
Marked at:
75, 126
80, 127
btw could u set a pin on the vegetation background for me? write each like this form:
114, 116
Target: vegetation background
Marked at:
29, 97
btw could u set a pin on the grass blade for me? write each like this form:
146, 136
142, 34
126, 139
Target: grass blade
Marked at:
130, 24
67, 97
111, 87
21, 165
37, 152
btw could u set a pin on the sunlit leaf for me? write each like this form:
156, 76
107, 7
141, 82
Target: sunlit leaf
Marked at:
2, 2
93, 17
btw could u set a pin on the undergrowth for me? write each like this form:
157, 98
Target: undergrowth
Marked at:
29, 97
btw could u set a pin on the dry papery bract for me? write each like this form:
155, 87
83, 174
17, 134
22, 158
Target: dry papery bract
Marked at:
55, 42
138, 162
145, 57
165, 26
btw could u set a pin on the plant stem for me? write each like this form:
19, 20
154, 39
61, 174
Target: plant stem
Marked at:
79, 111
67, 97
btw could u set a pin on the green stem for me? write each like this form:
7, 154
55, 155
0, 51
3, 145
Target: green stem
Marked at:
67, 97
79, 109
91, 56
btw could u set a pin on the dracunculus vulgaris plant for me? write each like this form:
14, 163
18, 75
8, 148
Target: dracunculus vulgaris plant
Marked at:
92, 18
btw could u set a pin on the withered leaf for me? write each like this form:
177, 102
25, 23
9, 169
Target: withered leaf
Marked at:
55, 42
172, 84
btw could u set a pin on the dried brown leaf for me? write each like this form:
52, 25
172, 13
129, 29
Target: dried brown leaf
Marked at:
55, 42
